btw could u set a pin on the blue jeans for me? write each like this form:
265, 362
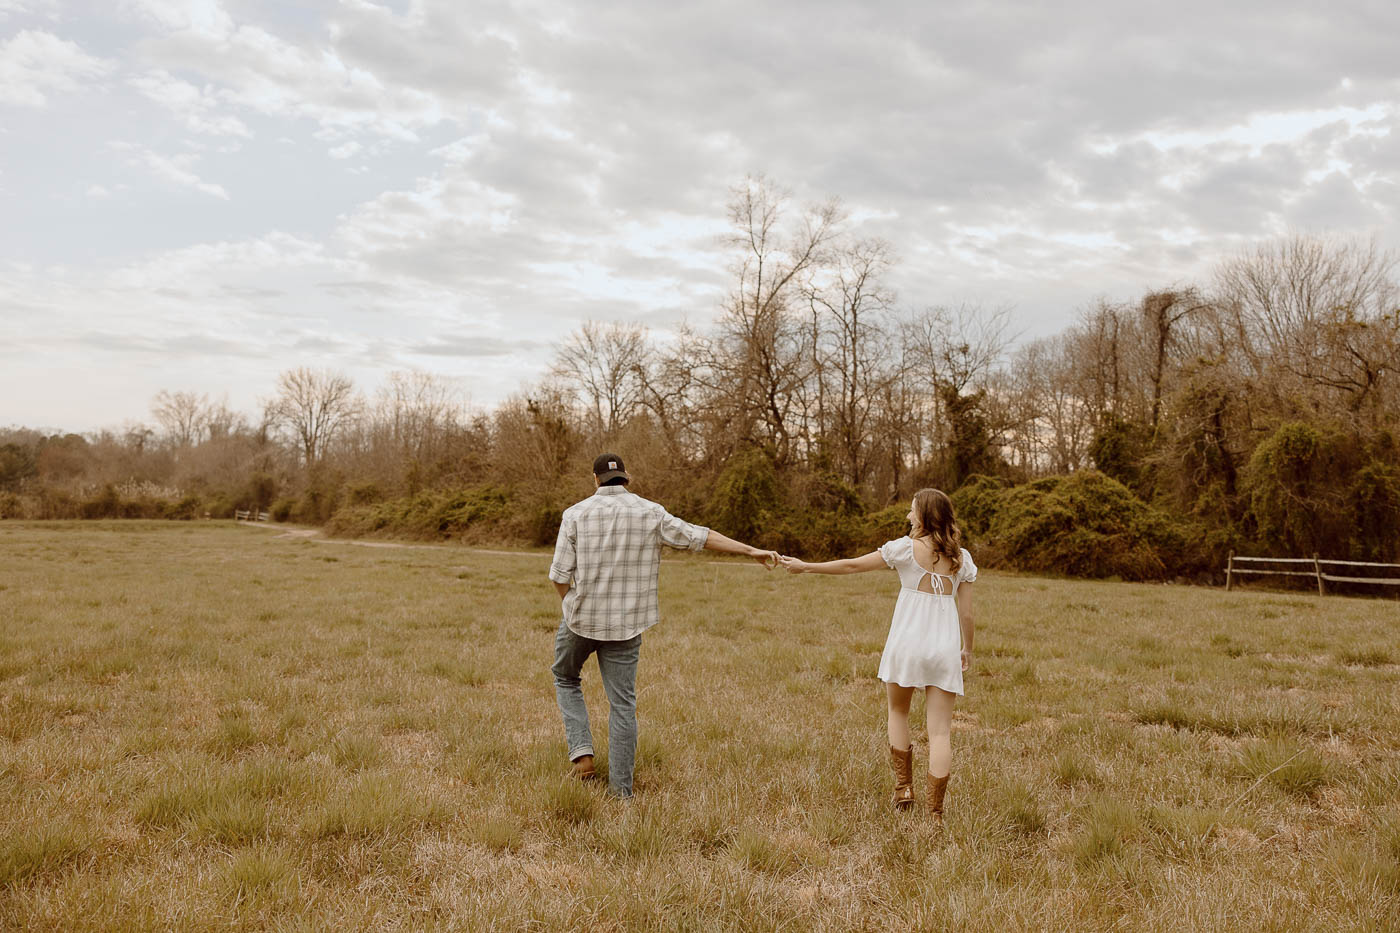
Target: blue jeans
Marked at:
617, 662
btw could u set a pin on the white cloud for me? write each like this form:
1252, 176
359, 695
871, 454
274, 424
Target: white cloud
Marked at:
205, 18
34, 65
177, 169
196, 107
44, 8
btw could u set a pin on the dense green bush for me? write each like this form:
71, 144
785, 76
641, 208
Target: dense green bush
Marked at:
1320, 489
1085, 524
746, 499
1373, 501
975, 503
190, 507
432, 514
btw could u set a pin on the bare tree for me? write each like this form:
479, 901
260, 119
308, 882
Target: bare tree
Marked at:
1319, 310
761, 358
221, 421
314, 405
959, 351
182, 415
605, 364
1053, 421
850, 348
1161, 312
415, 410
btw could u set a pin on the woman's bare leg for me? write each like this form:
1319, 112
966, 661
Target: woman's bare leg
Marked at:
938, 708
899, 700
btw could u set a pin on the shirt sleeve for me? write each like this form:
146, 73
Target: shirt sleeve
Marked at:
967, 572
561, 569
681, 534
892, 551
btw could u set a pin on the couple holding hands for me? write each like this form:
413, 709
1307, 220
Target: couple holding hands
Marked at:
605, 570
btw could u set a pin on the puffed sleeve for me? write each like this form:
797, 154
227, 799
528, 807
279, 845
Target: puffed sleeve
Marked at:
895, 550
967, 572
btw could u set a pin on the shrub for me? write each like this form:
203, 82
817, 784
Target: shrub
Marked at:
187, 508
261, 490
438, 514
1085, 524
821, 517
746, 497
888, 523
364, 493
106, 504
282, 509
976, 502
1119, 448
1373, 500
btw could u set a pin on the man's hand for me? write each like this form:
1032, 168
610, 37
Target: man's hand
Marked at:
769, 559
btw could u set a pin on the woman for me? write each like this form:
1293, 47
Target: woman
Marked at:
930, 640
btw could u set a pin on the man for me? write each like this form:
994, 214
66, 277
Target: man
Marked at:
610, 548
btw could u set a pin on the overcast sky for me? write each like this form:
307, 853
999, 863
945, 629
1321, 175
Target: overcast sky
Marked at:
198, 195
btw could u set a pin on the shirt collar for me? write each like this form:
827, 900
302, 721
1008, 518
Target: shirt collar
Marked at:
610, 490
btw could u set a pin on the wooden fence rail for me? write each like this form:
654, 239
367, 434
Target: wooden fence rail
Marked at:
248, 515
1315, 572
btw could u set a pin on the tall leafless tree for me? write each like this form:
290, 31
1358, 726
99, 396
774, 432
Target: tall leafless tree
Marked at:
605, 364
314, 405
762, 355
850, 347
182, 415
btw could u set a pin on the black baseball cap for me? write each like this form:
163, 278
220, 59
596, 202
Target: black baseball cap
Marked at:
609, 466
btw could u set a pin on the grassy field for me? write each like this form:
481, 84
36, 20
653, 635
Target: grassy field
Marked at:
208, 727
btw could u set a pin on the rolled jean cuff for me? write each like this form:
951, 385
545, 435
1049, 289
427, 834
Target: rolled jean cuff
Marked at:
576, 753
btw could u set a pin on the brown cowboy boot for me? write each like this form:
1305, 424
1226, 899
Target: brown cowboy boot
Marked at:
903, 764
937, 786
583, 768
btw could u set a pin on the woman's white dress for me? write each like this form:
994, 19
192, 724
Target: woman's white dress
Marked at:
925, 644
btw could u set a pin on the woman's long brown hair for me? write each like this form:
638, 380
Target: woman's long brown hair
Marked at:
934, 510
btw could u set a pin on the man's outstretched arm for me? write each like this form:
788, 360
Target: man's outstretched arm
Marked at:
725, 545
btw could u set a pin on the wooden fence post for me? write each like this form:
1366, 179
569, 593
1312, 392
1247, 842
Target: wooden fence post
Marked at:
1317, 568
1229, 568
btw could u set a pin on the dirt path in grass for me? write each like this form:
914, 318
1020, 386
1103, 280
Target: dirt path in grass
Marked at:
316, 535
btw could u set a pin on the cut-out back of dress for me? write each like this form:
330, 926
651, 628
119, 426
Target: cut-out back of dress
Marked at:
943, 584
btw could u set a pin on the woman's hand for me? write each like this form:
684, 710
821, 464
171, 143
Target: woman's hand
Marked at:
966, 659
793, 565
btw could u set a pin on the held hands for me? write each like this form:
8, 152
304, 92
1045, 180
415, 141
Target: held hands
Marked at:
769, 559
793, 565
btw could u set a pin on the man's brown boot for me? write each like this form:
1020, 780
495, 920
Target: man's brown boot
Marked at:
583, 768
936, 788
903, 764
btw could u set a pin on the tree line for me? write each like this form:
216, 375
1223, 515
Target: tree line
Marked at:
1253, 411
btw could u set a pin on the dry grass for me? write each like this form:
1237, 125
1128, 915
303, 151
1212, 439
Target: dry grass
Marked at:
204, 727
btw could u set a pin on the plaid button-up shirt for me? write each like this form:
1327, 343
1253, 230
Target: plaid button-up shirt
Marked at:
610, 547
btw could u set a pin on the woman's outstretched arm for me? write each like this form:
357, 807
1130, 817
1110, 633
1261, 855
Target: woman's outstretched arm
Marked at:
871, 561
